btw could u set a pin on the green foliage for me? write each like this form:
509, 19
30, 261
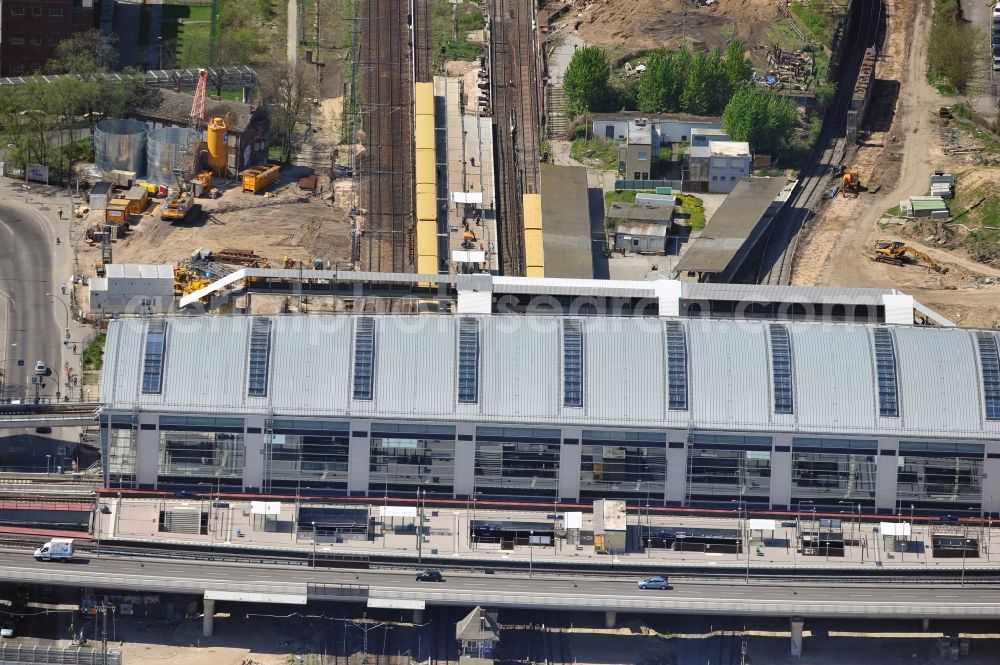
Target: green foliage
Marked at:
586, 80
623, 196
697, 95
763, 119
652, 92
595, 149
738, 67
451, 25
84, 53
694, 209
700, 83
818, 23
953, 53
93, 354
825, 94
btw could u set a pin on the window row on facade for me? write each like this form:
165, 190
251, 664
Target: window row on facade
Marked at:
392, 459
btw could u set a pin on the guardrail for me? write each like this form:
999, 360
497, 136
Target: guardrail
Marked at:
36, 653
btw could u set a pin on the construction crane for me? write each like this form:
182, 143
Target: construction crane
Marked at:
851, 183
899, 253
181, 206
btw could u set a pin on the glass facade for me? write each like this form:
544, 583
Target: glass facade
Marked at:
521, 461
406, 457
625, 465
306, 453
727, 467
121, 457
827, 471
208, 456
939, 475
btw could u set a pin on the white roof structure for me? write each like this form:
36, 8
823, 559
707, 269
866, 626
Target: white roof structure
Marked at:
633, 372
139, 271
896, 529
729, 148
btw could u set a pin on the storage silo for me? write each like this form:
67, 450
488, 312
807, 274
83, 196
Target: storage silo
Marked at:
120, 144
169, 149
218, 155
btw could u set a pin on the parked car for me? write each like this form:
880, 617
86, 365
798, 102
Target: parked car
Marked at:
996, 63
654, 583
430, 576
7, 630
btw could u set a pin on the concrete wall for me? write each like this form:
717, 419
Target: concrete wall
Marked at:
725, 172
132, 295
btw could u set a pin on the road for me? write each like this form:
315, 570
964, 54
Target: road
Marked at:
29, 331
984, 100
292, 585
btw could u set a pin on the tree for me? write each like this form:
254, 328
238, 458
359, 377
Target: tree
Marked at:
652, 95
763, 119
953, 53
586, 79
738, 69
719, 89
285, 89
85, 53
697, 95
675, 78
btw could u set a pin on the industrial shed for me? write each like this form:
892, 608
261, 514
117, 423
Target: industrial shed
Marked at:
674, 411
246, 139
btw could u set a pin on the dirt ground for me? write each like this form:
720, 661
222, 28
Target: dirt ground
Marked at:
648, 24
895, 163
285, 222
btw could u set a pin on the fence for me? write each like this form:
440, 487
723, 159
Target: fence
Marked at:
647, 184
37, 653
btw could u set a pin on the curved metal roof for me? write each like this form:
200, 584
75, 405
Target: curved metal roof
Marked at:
625, 374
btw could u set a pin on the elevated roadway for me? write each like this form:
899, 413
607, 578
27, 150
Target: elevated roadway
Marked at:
275, 584
69, 414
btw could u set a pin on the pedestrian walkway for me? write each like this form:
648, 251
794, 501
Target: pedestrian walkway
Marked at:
446, 533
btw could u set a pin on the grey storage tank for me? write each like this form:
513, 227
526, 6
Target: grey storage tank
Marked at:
120, 145
169, 149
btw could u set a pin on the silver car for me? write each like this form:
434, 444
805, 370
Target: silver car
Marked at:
654, 583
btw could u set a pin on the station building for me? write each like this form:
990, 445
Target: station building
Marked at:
669, 410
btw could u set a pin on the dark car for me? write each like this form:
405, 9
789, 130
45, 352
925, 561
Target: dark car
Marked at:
430, 576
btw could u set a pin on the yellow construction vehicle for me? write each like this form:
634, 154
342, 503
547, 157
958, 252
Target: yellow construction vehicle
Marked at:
180, 207
851, 183
899, 253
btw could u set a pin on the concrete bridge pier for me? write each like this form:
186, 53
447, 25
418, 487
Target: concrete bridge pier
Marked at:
418, 616
610, 619
925, 625
208, 620
797, 636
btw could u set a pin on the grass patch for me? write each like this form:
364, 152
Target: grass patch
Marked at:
188, 12
93, 354
783, 34
817, 22
451, 25
624, 196
694, 209
894, 211
597, 150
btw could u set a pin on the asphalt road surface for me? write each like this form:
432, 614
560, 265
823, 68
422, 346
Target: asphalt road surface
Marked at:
735, 597
28, 329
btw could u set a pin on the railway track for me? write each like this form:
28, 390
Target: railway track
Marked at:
778, 253
513, 59
443, 644
387, 165
423, 40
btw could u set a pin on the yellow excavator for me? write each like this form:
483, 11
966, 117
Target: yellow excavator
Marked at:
899, 253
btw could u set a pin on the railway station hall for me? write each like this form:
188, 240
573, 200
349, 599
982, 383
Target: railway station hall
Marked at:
664, 410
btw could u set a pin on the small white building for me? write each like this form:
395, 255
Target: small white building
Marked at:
701, 136
132, 289
720, 164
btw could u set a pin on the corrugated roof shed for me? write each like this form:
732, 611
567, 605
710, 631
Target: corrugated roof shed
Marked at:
625, 379
175, 107
566, 222
740, 217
